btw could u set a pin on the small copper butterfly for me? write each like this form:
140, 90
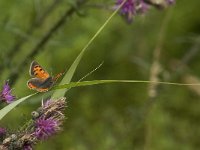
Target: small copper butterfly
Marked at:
41, 80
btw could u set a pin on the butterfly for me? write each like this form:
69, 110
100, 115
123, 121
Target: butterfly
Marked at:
41, 80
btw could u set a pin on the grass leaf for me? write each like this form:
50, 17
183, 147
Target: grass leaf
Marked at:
94, 82
9, 107
68, 76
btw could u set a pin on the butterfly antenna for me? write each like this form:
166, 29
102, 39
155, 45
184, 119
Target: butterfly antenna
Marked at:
91, 71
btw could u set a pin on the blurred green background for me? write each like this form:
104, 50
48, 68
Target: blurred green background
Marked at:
112, 116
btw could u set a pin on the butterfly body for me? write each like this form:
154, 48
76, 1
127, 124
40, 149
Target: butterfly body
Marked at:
41, 80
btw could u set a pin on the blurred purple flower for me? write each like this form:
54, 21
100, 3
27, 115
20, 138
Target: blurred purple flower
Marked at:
128, 9
2, 131
169, 2
142, 7
6, 94
46, 127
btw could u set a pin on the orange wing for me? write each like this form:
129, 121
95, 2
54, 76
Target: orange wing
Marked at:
37, 71
40, 85
33, 87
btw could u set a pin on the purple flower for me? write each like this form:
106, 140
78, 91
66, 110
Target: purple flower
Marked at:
170, 2
47, 121
46, 127
6, 94
128, 9
2, 131
142, 7
131, 8
50, 120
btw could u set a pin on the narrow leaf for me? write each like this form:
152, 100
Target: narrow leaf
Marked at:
9, 107
94, 82
67, 78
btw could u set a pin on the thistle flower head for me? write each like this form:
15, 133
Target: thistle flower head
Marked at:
2, 131
131, 8
46, 127
6, 94
169, 2
142, 7
47, 121
128, 9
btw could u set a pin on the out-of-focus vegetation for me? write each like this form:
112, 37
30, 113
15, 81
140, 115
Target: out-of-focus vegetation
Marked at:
112, 116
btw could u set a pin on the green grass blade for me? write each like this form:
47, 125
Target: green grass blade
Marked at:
9, 107
67, 78
94, 82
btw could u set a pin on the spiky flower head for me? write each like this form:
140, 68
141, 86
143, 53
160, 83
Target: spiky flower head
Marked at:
131, 8
50, 119
46, 127
128, 9
169, 2
6, 95
46, 121
2, 131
